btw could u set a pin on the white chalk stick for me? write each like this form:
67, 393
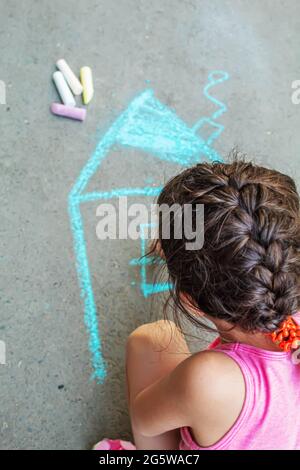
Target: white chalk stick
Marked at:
86, 78
63, 89
70, 77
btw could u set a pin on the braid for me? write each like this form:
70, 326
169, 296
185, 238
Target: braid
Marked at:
248, 269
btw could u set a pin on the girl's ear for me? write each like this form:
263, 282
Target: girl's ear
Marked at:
188, 302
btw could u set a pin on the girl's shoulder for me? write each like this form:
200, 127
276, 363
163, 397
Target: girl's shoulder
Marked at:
215, 394
211, 372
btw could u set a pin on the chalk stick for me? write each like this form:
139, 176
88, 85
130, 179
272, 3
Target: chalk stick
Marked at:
63, 89
71, 112
70, 77
86, 78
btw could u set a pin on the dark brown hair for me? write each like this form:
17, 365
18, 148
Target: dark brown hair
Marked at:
247, 271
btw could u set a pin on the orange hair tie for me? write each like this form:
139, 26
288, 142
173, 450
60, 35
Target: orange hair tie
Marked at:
287, 336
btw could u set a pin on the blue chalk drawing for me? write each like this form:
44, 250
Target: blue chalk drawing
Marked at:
214, 78
147, 287
152, 127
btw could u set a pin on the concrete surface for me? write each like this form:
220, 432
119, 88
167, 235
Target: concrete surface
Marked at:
47, 398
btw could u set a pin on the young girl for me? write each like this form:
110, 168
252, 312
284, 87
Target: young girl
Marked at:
243, 392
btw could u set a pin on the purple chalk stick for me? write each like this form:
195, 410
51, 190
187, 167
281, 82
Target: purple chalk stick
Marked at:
68, 111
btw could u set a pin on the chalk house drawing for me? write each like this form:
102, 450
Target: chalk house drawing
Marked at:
152, 127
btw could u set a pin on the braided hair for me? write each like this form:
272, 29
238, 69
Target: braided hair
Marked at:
248, 270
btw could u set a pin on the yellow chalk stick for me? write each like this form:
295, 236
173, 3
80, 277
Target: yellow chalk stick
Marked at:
86, 79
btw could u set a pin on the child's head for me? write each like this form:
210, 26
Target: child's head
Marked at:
248, 270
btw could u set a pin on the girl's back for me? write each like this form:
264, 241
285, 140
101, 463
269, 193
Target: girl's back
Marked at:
269, 418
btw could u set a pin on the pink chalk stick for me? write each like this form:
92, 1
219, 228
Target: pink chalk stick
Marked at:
68, 111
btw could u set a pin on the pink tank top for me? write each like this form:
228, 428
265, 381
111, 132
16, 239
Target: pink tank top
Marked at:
270, 417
